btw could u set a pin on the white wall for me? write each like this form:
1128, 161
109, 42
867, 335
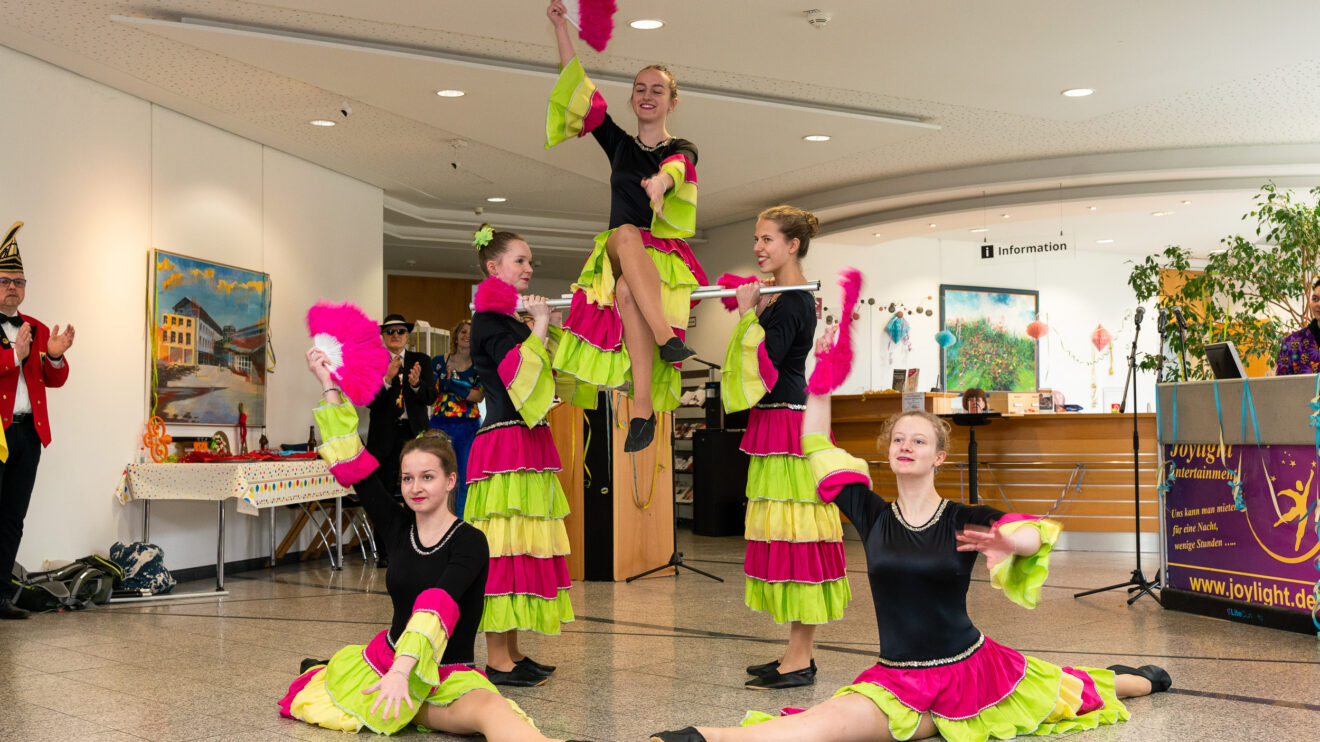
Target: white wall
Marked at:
100, 177
1076, 294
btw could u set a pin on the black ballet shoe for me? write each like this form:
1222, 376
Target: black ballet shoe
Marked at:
536, 667
640, 434
518, 677
674, 351
686, 734
759, 670
1159, 679
309, 663
776, 680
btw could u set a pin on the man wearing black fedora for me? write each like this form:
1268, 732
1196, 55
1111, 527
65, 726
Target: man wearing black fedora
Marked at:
401, 408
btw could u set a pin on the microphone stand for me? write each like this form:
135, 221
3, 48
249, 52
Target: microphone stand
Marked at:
1137, 585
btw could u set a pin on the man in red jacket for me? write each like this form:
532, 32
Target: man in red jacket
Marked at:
31, 359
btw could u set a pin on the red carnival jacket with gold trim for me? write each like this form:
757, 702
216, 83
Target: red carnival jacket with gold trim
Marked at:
38, 373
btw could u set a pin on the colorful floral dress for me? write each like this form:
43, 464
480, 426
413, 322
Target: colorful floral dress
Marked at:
514, 494
437, 592
1299, 353
592, 348
794, 565
933, 659
457, 417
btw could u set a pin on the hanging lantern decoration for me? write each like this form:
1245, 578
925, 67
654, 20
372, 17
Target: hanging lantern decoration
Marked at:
896, 328
1037, 329
946, 339
1101, 338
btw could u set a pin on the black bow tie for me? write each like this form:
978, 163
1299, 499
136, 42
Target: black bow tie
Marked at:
16, 320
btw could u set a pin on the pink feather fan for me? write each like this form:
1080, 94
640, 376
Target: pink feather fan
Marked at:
730, 281
351, 340
594, 20
832, 366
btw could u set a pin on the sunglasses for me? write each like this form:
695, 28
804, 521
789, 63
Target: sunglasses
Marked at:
395, 331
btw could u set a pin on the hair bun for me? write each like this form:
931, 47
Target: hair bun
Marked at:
813, 222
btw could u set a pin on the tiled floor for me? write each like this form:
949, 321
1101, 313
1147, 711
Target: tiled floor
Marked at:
658, 654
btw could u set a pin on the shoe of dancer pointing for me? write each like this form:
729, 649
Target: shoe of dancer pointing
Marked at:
514, 495
631, 301
937, 673
419, 671
795, 562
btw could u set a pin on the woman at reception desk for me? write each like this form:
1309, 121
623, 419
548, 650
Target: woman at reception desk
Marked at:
1299, 353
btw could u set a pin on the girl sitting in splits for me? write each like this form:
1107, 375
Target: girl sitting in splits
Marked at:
420, 670
937, 673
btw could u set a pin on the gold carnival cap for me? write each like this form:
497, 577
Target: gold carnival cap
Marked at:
10, 260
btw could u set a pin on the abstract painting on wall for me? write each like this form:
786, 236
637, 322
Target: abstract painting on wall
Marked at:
209, 332
993, 350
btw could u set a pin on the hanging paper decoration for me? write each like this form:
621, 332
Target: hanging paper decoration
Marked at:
594, 20
945, 338
897, 328
1037, 329
1101, 338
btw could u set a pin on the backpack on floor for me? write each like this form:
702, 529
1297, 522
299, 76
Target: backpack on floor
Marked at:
73, 586
143, 567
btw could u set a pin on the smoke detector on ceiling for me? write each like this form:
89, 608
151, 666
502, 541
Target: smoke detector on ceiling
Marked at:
816, 18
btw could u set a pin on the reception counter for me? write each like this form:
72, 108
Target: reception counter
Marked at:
1075, 467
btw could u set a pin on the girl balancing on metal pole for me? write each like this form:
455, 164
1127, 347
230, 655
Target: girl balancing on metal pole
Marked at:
937, 674
631, 301
795, 566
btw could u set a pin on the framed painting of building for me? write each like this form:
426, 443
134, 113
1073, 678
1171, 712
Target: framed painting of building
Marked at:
993, 350
208, 341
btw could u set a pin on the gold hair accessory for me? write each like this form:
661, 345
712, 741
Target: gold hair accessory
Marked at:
483, 237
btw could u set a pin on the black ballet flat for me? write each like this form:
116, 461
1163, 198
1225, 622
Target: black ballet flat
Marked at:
536, 667
776, 680
518, 677
674, 351
640, 434
309, 663
686, 734
759, 670
1159, 679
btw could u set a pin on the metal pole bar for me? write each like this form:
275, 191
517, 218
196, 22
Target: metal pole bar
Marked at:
703, 292
220, 548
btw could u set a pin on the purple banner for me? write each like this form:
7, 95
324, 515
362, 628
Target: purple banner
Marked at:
1263, 556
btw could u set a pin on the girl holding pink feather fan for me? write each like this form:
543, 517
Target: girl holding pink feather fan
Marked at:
794, 563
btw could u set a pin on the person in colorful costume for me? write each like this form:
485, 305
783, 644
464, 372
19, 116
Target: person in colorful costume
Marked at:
458, 392
1299, 353
937, 673
419, 671
514, 495
794, 566
631, 302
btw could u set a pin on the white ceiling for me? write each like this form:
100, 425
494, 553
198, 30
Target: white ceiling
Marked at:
1196, 99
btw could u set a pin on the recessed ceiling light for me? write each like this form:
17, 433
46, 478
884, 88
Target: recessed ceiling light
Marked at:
1103, 242
497, 199
932, 225
979, 230
817, 138
876, 234
321, 122
1004, 215
1077, 92
646, 24
1186, 202
1161, 213
1091, 208
450, 93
